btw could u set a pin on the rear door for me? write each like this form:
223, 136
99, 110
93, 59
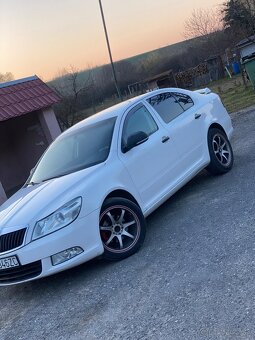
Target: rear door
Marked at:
185, 126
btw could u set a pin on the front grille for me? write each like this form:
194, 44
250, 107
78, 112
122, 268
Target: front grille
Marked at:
12, 240
20, 273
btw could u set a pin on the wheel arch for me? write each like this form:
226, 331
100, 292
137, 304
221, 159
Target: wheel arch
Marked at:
122, 194
216, 126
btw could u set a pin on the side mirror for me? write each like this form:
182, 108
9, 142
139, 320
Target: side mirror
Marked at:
135, 139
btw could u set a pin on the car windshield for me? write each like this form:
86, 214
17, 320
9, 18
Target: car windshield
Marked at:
74, 151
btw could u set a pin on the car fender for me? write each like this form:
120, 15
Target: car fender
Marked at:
105, 185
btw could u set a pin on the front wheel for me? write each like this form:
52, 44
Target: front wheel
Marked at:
221, 153
122, 228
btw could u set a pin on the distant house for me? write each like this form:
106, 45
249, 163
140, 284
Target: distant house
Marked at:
159, 81
162, 80
27, 126
247, 47
215, 67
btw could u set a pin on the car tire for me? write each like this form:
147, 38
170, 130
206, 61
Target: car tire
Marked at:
221, 153
122, 228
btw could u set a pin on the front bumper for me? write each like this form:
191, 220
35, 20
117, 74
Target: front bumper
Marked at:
35, 257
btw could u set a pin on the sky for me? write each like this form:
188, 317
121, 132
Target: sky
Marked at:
45, 36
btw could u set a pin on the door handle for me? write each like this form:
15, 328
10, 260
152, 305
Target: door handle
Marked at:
165, 139
198, 115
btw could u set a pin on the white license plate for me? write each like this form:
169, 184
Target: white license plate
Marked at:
9, 262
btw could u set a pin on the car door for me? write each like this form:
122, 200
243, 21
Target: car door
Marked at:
148, 162
185, 127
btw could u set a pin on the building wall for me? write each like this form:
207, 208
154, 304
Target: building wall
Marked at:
247, 50
49, 124
22, 142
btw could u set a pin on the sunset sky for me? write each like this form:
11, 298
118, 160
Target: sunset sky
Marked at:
44, 36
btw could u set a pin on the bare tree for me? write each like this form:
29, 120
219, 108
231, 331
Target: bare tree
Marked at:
202, 23
70, 85
8, 76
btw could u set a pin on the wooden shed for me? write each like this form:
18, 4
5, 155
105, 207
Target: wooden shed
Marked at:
27, 126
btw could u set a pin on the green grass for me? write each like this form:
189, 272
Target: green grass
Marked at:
233, 93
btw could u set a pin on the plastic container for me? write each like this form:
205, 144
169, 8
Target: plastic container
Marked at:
249, 65
236, 67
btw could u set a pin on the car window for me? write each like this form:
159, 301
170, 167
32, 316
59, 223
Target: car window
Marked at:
184, 100
138, 119
166, 105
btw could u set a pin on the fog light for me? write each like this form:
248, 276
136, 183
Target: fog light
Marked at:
65, 255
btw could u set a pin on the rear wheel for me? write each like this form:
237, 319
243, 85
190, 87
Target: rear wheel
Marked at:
122, 228
220, 151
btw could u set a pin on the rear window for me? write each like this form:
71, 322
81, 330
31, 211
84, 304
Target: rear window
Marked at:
166, 105
184, 100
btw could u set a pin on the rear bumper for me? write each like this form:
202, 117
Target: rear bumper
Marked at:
35, 257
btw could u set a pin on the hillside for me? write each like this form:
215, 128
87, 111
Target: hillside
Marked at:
166, 51
163, 53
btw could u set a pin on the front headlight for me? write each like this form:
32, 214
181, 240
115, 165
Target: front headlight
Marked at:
59, 219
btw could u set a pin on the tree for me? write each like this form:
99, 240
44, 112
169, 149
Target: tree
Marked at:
8, 76
250, 6
239, 16
70, 87
203, 23
125, 72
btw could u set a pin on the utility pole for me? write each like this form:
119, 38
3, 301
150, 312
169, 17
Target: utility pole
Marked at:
109, 50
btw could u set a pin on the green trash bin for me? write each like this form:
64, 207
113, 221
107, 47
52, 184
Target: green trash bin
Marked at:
249, 65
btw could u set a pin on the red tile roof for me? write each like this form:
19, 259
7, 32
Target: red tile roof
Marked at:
22, 96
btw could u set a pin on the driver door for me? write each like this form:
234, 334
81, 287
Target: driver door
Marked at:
148, 162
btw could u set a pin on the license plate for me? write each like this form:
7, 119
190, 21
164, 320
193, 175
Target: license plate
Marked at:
9, 262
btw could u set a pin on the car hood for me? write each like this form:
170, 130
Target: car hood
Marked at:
37, 201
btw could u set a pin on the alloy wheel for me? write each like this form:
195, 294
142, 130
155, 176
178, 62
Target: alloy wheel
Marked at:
119, 228
221, 149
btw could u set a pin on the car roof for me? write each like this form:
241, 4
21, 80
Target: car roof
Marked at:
118, 109
113, 111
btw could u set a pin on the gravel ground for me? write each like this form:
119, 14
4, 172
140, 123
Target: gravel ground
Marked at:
193, 278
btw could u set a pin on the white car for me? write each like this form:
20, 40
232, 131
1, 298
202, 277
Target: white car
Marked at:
90, 192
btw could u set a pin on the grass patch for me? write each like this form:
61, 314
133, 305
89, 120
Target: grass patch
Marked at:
233, 94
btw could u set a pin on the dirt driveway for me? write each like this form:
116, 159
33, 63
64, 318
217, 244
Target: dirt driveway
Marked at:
194, 278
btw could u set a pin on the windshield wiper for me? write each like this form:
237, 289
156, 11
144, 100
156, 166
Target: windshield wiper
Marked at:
31, 183
53, 177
